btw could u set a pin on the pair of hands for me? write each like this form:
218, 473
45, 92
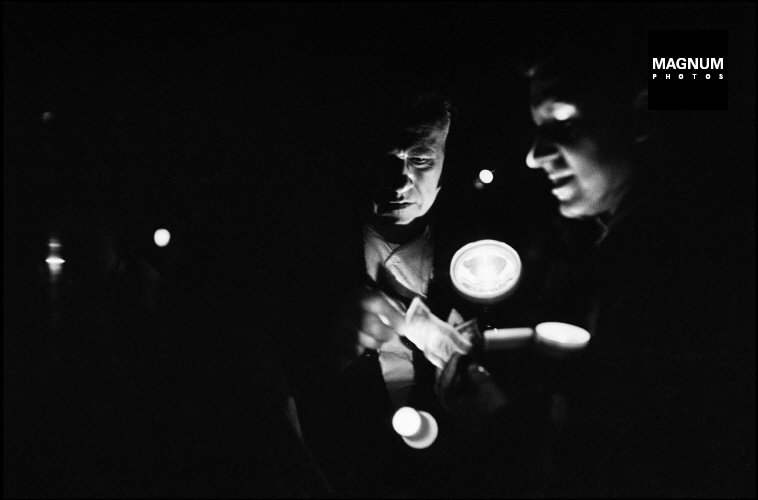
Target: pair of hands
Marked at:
464, 387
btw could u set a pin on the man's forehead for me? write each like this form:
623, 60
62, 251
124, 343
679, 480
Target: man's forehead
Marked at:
555, 89
420, 137
561, 93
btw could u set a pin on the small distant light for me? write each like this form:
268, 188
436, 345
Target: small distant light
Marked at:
486, 176
55, 266
162, 237
47, 116
54, 260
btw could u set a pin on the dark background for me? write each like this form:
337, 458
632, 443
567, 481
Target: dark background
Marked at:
180, 115
689, 93
233, 125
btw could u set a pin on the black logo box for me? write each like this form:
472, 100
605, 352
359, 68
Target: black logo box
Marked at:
689, 92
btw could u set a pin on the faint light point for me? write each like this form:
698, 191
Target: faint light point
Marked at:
162, 237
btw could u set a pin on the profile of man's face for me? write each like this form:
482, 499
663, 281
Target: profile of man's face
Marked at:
582, 146
410, 169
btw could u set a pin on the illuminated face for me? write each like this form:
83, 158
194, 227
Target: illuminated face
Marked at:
583, 148
411, 170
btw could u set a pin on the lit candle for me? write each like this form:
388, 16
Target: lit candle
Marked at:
417, 428
561, 339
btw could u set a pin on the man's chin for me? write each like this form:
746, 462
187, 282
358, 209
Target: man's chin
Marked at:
395, 219
576, 210
398, 216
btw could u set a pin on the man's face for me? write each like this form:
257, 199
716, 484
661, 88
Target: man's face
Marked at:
410, 172
583, 147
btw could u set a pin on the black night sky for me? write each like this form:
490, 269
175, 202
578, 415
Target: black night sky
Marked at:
176, 113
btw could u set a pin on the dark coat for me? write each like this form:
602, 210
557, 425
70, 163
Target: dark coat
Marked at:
660, 403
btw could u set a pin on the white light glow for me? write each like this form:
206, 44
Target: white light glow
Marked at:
563, 111
486, 176
485, 270
562, 335
162, 237
426, 434
54, 260
406, 421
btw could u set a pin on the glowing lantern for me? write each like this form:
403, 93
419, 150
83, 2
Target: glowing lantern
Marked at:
486, 270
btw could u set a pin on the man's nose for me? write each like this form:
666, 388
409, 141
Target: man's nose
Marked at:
400, 177
541, 152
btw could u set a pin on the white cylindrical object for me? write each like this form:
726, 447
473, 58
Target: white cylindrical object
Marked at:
562, 335
506, 338
560, 340
417, 428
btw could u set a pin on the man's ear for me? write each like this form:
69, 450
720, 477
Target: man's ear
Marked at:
645, 120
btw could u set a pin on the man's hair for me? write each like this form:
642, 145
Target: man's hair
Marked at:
430, 109
387, 117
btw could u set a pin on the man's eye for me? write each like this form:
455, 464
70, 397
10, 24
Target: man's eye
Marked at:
420, 162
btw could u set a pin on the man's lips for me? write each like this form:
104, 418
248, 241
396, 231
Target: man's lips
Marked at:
561, 181
397, 203
392, 206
